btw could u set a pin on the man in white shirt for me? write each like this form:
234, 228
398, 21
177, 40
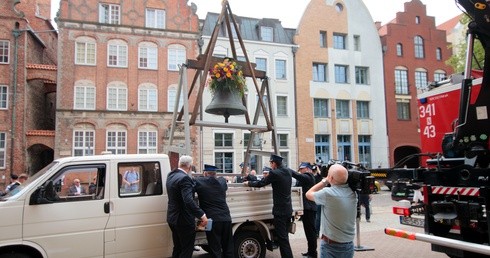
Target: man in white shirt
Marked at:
76, 188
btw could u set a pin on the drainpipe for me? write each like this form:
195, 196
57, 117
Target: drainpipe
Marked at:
294, 50
16, 33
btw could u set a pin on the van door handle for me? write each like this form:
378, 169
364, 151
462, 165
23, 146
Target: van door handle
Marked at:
107, 207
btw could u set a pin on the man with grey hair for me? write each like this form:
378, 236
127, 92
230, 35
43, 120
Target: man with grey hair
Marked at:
182, 210
338, 215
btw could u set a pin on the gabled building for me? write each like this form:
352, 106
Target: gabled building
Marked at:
28, 45
414, 54
120, 68
270, 46
339, 85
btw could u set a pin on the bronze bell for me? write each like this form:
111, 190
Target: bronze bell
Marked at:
226, 103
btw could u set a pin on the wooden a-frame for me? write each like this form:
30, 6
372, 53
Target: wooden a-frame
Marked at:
202, 65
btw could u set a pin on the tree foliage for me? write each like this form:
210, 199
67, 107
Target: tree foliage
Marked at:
458, 59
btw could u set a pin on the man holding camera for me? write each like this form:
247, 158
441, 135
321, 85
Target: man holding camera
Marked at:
338, 216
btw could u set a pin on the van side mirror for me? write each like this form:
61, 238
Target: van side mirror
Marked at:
44, 194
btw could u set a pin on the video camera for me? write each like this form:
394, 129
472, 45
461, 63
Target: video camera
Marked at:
359, 180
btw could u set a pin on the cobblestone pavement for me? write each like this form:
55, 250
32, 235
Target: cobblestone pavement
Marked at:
371, 236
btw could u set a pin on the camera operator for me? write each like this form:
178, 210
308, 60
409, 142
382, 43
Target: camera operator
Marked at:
338, 215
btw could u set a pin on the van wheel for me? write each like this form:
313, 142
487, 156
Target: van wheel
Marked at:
249, 244
13, 254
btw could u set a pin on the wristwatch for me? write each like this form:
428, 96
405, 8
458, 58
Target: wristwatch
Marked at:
324, 181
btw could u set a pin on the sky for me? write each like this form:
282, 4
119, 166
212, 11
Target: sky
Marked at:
289, 11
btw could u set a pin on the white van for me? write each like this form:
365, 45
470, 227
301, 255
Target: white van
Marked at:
47, 217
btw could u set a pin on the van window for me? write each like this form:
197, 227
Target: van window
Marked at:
79, 183
139, 179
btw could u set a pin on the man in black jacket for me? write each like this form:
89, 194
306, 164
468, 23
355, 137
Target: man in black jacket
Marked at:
280, 179
305, 179
182, 210
211, 191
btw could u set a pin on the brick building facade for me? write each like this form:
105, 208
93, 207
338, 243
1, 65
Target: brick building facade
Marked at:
120, 69
414, 54
28, 45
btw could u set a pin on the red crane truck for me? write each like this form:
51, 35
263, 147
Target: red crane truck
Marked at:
455, 182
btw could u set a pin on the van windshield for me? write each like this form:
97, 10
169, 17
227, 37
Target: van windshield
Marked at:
29, 180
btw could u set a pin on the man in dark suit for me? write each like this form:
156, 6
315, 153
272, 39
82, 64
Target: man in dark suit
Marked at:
211, 191
280, 179
305, 179
182, 210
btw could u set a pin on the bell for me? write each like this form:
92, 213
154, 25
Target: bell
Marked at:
226, 103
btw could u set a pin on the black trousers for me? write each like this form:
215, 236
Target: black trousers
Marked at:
220, 240
183, 237
308, 219
281, 225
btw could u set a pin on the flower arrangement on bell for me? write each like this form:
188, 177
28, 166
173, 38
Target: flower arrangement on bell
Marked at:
227, 75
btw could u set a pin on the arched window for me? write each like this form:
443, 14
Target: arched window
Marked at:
419, 47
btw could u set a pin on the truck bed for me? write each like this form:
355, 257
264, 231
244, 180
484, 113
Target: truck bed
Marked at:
249, 203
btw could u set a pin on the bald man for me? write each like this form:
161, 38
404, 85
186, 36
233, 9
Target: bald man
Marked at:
338, 215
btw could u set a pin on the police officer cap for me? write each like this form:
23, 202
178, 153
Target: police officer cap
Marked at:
266, 170
304, 165
276, 158
210, 168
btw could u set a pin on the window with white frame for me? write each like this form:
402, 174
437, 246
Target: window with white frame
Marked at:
147, 55
342, 108
319, 72
172, 97
282, 105
266, 104
147, 97
3, 149
439, 75
362, 109
84, 95
117, 53
438, 54
155, 18
256, 143
285, 158
401, 81
357, 43
176, 57
266, 33
322, 147
421, 78
341, 73
403, 109
4, 96
223, 140
4, 51
418, 42
83, 142
282, 140
365, 150
117, 96
320, 107
280, 69
362, 75
399, 49
116, 140
85, 51
323, 39
261, 64
147, 141
339, 41
109, 13
224, 161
